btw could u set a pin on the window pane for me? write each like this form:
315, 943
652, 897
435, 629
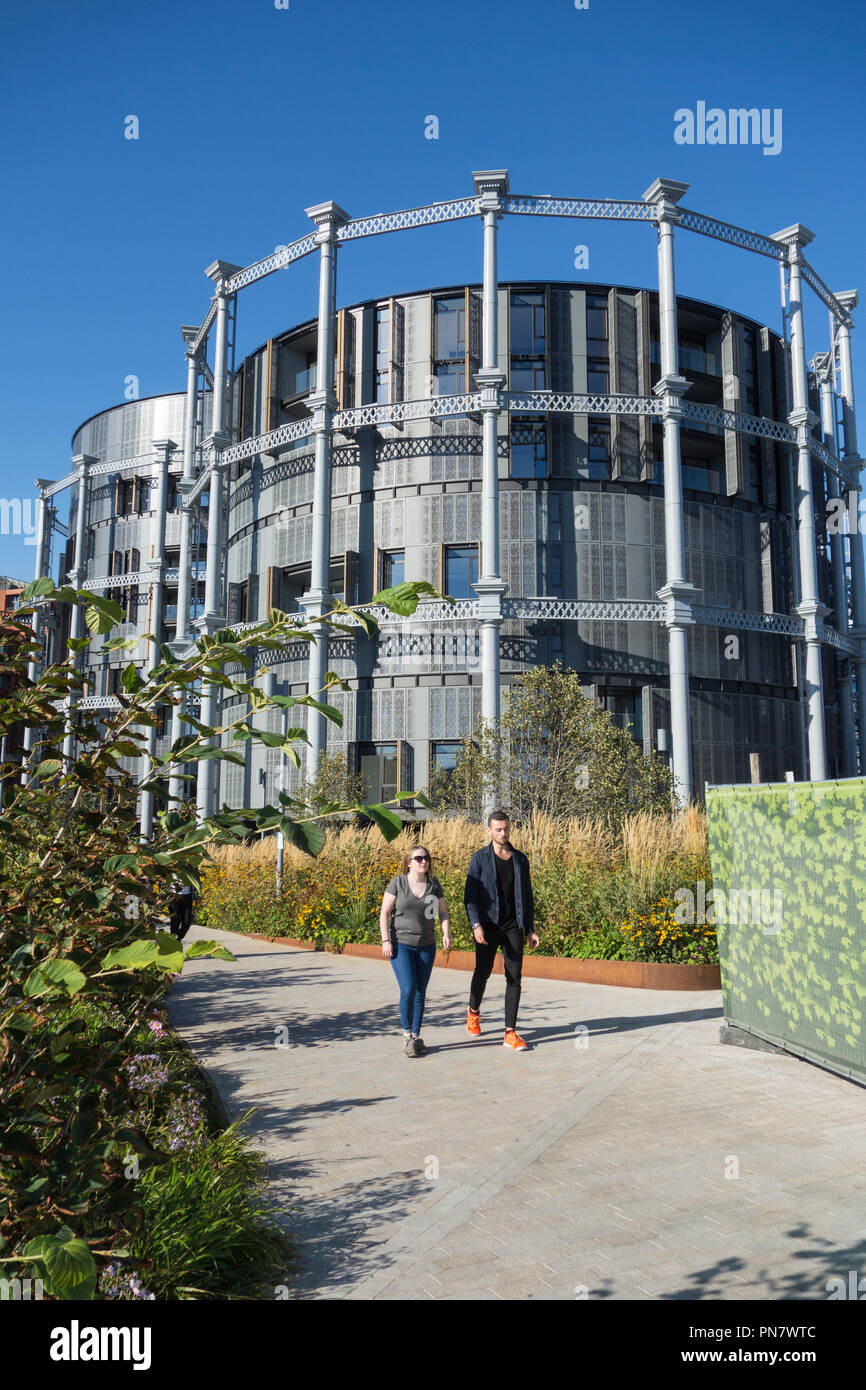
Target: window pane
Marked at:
527, 324
450, 329
528, 448
461, 570
394, 568
451, 378
596, 324
445, 756
597, 376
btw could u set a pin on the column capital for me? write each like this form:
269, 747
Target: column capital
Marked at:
321, 406
216, 442
670, 389
678, 597
794, 237
162, 448
84, 462
189, 332
219, 272
43, 483
315, 602
491, 382
813, 613
664, 194
490, 591
209, 623
491, 185
801, 416
327, 217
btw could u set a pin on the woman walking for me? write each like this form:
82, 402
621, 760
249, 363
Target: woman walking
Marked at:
409, 941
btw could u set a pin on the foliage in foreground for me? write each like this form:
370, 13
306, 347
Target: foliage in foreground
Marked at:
83, 961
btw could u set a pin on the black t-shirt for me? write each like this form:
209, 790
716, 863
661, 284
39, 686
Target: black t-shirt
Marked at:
505, 886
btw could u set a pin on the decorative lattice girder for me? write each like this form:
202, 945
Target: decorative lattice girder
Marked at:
735, 420
267, 443
432, 406
410, 217
726, 231
608, 209
826, 296
570, 403
277, 260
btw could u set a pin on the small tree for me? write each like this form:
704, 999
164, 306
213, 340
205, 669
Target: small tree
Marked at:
333, 783
557, 753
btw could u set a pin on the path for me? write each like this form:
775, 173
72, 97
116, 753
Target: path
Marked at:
596, 1162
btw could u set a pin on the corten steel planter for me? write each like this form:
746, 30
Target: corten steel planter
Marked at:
628, 974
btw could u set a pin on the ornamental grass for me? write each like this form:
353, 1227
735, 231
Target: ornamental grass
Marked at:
597, 893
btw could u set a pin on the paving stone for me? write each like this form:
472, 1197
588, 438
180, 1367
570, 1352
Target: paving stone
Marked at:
602, 1166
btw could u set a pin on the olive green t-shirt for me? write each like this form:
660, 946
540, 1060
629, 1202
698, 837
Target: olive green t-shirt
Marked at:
415, 918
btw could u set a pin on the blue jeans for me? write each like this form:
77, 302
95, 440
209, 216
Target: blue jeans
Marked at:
413, 966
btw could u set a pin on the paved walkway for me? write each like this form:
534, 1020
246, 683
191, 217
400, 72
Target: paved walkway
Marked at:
629, 1155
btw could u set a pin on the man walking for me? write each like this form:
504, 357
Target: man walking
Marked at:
501, 912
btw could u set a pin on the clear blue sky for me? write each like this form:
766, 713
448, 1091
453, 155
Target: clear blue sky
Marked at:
248, 114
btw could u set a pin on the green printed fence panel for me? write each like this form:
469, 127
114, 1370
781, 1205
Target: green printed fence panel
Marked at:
789, 897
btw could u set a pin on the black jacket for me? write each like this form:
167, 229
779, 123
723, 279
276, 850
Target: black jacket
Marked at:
481, 895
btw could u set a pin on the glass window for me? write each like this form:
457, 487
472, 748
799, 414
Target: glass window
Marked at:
443, 760
383, 354
378, 767
444, 756
393, 568
527, 325
528, 448
461, 570
450, 328
598, 453
596, 325
450, 378
527, 376
700, 475
597, 376
626, 708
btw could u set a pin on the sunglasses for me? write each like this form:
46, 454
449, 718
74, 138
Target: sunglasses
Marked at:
420, 858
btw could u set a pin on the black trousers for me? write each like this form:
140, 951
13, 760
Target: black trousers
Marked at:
180, 917
511, 941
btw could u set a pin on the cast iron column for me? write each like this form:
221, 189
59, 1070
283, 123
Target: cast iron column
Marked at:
322, 403
810, 609
677, 594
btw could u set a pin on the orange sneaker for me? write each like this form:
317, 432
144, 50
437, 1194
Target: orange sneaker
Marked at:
473, 1023
515, 1042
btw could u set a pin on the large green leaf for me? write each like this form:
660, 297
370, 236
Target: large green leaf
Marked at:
403, 598
67, 1261
327, 710
388, 822
208, 948
170, 952
52, 975
137, 956
307, 835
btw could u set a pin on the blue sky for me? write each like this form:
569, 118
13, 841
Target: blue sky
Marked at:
249, 113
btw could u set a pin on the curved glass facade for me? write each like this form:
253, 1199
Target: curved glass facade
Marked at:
581, 519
